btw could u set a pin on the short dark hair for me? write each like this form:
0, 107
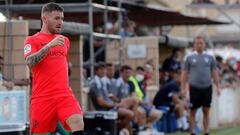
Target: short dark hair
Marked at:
175, 50
109, 65
49, 7
125, 67
140, 68
198, 37
129, 23
99, 65
219, 58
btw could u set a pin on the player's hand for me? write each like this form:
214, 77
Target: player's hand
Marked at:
183, 93
218, 90
58, 40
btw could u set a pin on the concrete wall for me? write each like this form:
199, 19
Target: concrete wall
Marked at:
152, 53
75, 57
225, 108
12, 37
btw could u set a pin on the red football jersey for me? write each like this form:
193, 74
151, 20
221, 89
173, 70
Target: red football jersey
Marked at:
50, 75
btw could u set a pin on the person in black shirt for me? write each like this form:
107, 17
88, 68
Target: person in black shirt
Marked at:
173, 61
171, 64
168, 96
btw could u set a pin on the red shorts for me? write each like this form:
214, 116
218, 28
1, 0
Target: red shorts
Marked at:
44, 114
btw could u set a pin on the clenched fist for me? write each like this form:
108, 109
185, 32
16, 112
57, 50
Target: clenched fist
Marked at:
58, 40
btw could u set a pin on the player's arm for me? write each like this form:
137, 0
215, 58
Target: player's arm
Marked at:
35, 58
98, 96
103, 103
215, 76
183, 80
114, 98
176, 99
184, 77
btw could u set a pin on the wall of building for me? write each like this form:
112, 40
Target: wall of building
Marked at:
152, 53
12, 37
75, 57
225, 111
212, 13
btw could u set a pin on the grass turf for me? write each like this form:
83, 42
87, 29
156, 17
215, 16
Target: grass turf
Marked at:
224, 131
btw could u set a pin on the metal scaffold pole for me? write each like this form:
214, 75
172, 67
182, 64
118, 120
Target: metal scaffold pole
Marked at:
90, 20
119, 31
105, 27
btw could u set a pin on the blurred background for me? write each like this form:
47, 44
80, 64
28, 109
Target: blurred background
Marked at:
123, 32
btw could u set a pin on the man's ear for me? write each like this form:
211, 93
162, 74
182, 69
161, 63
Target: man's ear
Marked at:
44, 19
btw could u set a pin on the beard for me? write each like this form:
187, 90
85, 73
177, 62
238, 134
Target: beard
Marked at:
54, 30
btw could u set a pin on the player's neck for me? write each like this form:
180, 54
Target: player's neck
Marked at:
200, 51
45, 30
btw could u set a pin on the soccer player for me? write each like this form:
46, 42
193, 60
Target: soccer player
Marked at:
46, 54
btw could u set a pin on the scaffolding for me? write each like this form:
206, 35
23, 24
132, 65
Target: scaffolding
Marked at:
221, 10
90, 7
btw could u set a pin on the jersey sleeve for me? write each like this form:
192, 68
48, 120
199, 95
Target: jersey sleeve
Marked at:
186, 65
213, 63
29, 47
94, 90
67, 43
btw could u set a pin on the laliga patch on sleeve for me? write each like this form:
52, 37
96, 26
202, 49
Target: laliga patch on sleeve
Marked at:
27, 49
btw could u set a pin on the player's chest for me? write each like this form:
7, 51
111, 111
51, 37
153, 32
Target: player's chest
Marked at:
57, 51
202, 61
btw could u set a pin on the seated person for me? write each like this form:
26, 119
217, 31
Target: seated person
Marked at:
151, 114
101, 100
123, 95
119, 90
171, 63
109, 82
122, 92
116, 87
168, 95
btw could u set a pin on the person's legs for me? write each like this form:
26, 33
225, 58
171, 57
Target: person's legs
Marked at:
61, 130
206, 119
132, 104
195, 102
153, 116
207, 100
129, 102
43, 118
75, 122
192, 120
179, 109
125, 116
70, 115
141, 117
181, 116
